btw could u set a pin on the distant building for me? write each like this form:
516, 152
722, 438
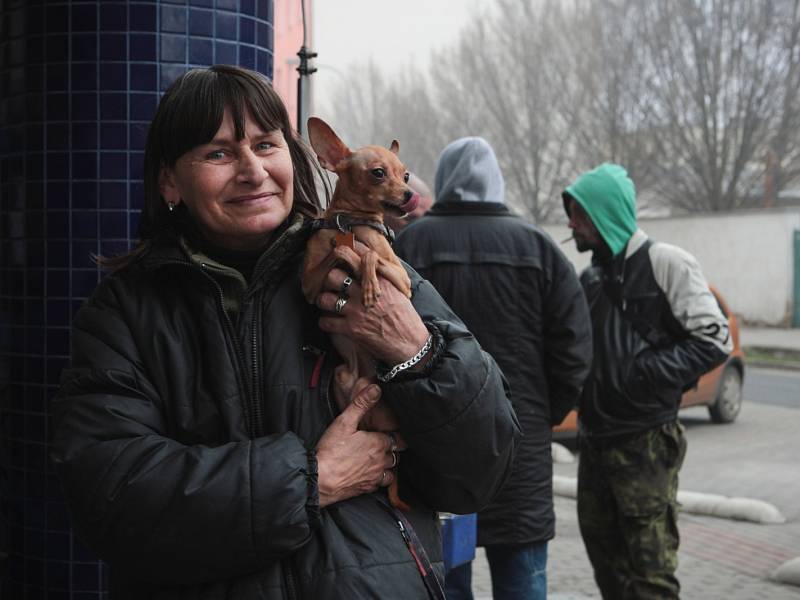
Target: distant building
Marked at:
288, 40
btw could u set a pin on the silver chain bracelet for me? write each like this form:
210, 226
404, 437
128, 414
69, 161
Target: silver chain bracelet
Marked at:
407, 364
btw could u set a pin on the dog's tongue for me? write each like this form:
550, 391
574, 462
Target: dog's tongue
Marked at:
411, 204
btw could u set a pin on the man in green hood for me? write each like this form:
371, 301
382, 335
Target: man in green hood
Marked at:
656, 328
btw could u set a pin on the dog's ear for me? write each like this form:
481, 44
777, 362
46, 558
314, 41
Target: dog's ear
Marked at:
395, 147
331, 151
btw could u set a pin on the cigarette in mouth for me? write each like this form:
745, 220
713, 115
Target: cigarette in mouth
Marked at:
568, 239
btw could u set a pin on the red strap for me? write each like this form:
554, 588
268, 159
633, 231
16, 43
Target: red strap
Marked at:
316, 372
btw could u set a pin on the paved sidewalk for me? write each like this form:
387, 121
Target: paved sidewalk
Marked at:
708, 566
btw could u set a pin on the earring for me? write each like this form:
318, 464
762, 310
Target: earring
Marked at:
171, 206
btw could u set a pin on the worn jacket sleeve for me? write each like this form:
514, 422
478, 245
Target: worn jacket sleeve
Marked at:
178, 514
708, 341
457, 420
567, 338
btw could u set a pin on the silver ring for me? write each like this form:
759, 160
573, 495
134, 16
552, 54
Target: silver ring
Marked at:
392, 441
348, 281
395, 460
383, 478
339, 307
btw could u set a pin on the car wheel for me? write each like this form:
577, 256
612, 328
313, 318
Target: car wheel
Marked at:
728, 403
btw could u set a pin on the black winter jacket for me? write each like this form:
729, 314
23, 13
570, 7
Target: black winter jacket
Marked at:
185, 435
520, 296
656, 329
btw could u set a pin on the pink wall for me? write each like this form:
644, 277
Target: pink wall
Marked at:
288, 39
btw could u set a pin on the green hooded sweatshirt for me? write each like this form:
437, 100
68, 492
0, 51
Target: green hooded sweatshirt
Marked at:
608, 196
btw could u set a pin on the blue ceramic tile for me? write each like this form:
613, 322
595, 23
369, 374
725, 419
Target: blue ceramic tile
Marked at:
113, 194
84, 194
247, 57
34, 281
262, 35
113, 17
57, 77
113, 165
34, 224
143, 106
226, 24
34, 107
142, 17
247, 30
201, 22
173, 48
173, 19
263, 10
34, 193
113, 76
143, 77
57, 224
247, 7
113, 46
84, 106
84, 224
83, 282
136, 190
264, 63
57, 19
142, 46
113, 106
84, 76
208, 3
56, 47
57, 195
34, 135
201, 52
35, 48
57, 165
133, 225
57, 107
84, 165
113, 136
35, 20
84, 47
84, 17
227, 4
58, 136
57, 283
84, 136
113, 225
82, 253
170, 73
136, 164
57, 571
57, 256
224, 53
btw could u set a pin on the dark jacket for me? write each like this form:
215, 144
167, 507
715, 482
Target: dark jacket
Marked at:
656, 329
519, 295
185, 436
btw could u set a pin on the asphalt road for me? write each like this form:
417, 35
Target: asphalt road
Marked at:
772, 386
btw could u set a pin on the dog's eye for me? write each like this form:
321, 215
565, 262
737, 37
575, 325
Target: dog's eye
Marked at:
379, 173
406, 177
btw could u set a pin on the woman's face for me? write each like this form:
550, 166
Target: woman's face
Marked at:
236, 191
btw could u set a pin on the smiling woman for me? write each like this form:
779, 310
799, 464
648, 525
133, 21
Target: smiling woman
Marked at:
194, 433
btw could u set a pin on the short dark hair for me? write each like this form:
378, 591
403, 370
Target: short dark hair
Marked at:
190, 114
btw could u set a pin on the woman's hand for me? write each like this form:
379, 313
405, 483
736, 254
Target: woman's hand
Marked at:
351, 462
391, 330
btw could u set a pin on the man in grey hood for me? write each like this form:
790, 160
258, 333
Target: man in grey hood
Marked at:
520, 297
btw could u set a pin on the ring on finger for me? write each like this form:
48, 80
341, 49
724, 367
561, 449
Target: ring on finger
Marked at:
339, 306
348, 281
392, 441
383, 478
395, 459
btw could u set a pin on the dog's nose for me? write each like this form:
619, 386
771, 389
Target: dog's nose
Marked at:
407, 195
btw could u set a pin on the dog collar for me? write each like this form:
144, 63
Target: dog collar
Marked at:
345, 224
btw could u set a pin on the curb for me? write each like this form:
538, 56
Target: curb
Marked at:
714, 505
765, 364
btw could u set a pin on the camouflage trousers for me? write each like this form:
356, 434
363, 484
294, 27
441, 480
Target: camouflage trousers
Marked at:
627, 511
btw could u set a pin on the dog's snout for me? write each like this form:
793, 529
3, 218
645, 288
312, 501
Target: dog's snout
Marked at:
407, 195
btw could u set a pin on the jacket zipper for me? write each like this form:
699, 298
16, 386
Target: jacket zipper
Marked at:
291, 586
255, 398
240, 357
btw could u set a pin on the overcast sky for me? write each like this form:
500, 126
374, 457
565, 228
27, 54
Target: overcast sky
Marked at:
394, 33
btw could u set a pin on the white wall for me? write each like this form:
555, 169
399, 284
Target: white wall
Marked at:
747, 255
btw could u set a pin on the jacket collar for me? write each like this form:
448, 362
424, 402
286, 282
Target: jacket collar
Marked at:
638, 238
469, 208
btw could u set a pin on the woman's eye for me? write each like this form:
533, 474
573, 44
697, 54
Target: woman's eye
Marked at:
379, 173
216, 155
264, 146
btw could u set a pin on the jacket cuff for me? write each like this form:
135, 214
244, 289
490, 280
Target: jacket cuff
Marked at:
312, 501
438, 346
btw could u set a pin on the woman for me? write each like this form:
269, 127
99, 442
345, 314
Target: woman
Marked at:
195, 435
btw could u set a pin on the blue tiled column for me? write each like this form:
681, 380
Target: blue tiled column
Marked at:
79, 82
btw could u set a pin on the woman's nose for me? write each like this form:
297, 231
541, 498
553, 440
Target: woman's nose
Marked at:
252, 168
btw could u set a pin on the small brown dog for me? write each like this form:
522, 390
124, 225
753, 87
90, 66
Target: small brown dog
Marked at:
372, 182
